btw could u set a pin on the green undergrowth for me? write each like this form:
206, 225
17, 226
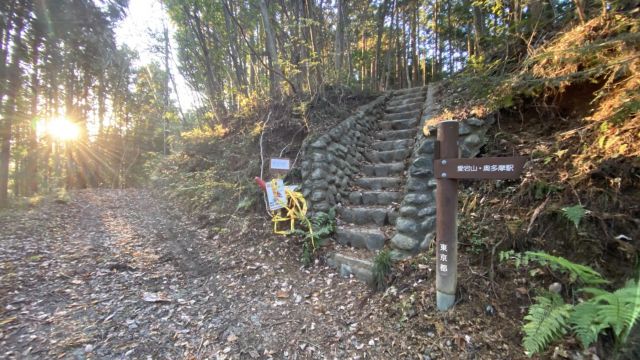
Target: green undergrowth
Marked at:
314, 231
381, 268
589, 311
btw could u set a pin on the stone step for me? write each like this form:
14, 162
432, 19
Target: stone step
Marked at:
370, 238
399, 124
402, 115
368, 215
402, 108
410, 90
408, 98
389, 156
393, 144
347, 265
382, 198
379, 183
409, 94
397, 134
394, 168
417, 102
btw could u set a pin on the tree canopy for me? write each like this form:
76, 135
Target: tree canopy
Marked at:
60, 59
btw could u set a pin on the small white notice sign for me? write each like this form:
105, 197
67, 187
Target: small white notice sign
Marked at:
280, 164
276, 195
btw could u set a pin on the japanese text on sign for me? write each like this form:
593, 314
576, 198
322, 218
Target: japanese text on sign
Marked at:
480, 168
443, 266
486, 168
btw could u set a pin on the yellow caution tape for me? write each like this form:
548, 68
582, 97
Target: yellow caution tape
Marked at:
294, 209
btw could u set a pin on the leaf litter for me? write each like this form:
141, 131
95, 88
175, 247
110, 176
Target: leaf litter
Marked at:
122, 274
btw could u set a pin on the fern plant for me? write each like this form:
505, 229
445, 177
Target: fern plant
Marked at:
546, 321
618, 310
574, 214
550, 317
316, 230
584, 323
577, 272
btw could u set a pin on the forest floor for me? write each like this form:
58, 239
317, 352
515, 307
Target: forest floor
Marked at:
115, 274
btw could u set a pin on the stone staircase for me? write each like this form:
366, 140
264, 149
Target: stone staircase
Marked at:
376, 169
367, 217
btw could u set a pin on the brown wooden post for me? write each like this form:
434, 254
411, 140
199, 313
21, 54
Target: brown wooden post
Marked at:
446, 218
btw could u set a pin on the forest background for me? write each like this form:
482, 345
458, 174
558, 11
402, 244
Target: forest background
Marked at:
77, 110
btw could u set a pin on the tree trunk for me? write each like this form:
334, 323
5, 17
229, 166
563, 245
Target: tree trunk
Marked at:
240, 75
395, 31
478, 29
339, 41
10, 112
363, 67
213, 87
387, 75
313, 37
382, 14
449, 37
580, 10
435, 63
300, 50
102, 99
32, 155
5, 41
70, 113
406, 36
347, 50
274, 67
415, 61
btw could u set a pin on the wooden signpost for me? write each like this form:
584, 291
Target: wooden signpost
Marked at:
448, 168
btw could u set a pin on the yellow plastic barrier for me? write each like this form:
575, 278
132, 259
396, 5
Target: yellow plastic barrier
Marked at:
295, 209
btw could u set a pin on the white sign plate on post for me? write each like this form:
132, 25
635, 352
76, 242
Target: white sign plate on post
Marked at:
276, 195
280, 164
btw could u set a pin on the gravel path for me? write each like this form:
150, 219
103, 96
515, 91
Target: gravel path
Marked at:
121, 274
113, 274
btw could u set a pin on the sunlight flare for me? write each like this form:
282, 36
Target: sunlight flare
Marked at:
62, 129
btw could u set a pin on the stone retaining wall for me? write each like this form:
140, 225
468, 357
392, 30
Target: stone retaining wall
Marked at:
330, 161
415, 226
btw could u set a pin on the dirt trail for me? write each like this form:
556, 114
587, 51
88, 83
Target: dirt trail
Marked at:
120, 274
74, 277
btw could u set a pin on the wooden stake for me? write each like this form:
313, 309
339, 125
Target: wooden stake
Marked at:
446, 219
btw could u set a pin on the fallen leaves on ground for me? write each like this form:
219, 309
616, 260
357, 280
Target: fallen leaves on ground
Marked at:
122, 274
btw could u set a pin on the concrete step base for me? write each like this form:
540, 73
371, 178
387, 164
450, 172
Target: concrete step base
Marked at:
412, 114
361, 237
393, 144
396, 134
380, 198
399, 124
364, 215
379, 183
379, 170
399, 109
386, 157
347, 265
413, 90
415, 102
408, 98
